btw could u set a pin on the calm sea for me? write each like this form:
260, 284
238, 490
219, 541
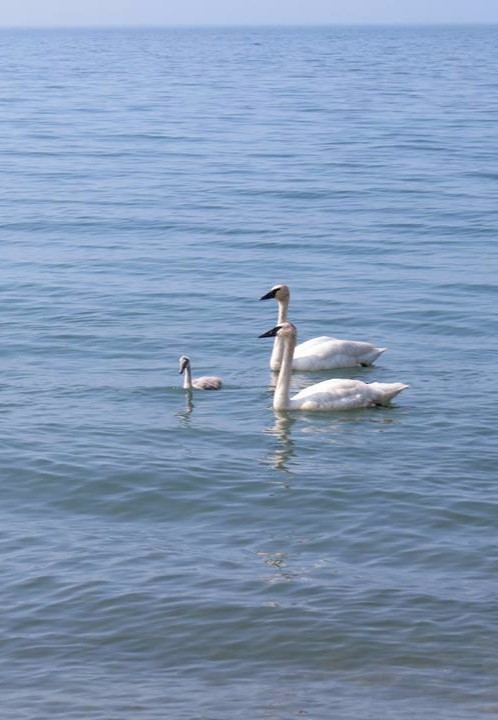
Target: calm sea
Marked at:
206, 559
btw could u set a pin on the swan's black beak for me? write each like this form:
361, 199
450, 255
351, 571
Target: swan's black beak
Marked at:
272, 332
270, 295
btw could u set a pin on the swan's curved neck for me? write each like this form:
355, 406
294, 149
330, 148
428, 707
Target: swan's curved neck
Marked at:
276, 355
187, 378
281, 398
282, 310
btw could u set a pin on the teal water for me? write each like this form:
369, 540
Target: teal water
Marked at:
163, 558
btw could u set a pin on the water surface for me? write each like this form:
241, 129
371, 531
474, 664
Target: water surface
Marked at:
167, 557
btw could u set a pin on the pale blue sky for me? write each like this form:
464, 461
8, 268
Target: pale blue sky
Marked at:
235, 12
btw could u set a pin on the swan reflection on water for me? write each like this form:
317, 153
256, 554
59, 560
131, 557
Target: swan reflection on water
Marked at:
184, 414
335, 429
282, 456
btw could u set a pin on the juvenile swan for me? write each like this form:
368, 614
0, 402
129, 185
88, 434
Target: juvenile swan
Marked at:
334, 394
320, 353
206, 382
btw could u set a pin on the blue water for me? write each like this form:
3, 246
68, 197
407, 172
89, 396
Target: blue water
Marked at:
167, 557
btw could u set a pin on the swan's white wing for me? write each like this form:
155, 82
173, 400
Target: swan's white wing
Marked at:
338, 394
308, 344
333, 353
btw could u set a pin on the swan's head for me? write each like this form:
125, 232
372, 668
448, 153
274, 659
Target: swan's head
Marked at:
184, 364
286, 329
279, 292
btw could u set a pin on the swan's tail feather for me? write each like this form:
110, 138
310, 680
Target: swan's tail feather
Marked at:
371, 357
387, 391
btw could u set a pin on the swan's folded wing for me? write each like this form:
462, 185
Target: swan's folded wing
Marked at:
334, 353
207, 382
335, 394
308, 344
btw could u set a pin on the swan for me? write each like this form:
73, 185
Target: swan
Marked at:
336, 394
319, 353
206, 382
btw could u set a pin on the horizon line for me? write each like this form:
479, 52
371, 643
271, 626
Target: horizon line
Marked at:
200, 26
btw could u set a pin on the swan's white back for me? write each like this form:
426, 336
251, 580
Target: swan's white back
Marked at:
207, 382
327, 353
319, 353
339, 394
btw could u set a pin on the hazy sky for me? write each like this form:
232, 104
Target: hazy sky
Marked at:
235, 12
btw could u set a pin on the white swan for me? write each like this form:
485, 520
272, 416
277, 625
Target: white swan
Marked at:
319, 353
206, 382
336, 394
